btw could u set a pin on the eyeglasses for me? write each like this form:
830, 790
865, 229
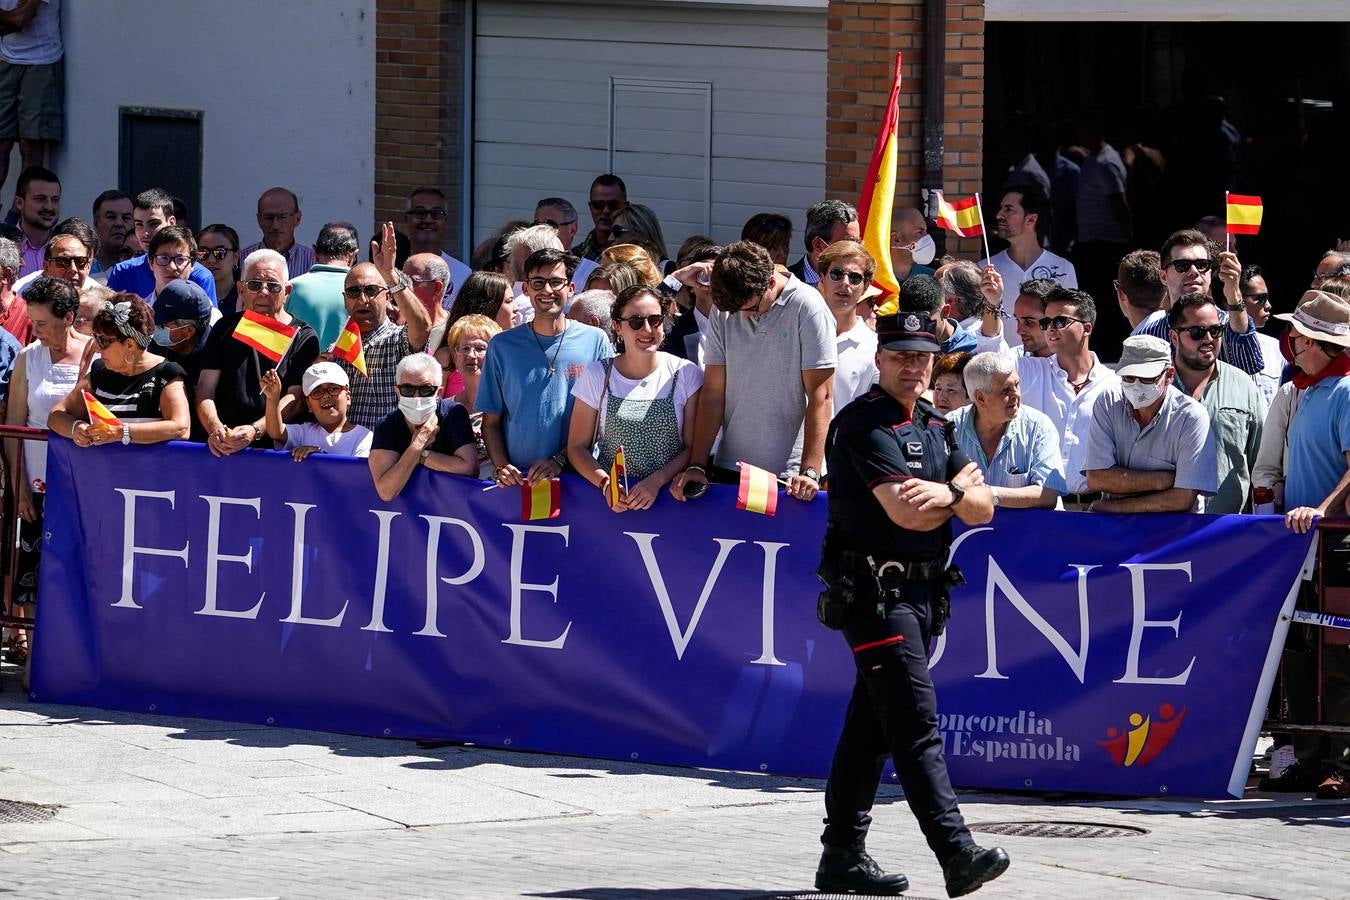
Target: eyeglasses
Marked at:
1198, 332
369, 291
1258, 299
553, 223
619, 231
69, 262
602, 205
854, 278
257, 286
206, 253
636, 322
422, 212
1029, 321
553, 284
472, 350
419, 281
1180, 266
1058, 322
104, 342
417, 390
177, 261
1139, 379
325, 391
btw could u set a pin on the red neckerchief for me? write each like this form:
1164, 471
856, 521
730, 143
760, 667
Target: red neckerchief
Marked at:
1337, 368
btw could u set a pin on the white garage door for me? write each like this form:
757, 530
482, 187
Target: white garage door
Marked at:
709, 114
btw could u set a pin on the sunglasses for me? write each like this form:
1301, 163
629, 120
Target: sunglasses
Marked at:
553, 223
1181, 266
104, 341
257, 286
417, 390
619, 231
422, 212
1258, 299
206, 253
1058, 323
1139, 379
69, 262
1198, 332
603, 205
636, 322
854, 278
369, 291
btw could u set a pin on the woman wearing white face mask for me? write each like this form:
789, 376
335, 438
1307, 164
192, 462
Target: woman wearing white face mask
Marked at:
425, 430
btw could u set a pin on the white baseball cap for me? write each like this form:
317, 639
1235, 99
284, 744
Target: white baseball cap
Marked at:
323, 373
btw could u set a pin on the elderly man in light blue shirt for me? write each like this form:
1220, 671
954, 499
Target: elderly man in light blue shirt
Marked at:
1015, 446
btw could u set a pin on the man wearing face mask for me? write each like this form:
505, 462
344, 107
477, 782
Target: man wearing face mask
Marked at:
425, 430
182, 325
912, 249
1150, 448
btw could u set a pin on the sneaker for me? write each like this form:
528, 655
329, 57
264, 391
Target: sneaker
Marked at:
1335, 787
1294, 779
1280, 760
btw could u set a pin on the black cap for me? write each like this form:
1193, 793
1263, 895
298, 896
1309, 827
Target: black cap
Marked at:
906, 331
181, 300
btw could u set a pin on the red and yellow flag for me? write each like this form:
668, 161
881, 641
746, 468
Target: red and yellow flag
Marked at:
264, 334
758, 492
541, 500
98, 413
618, 479
1244, 214
877, 203
349, 349
963, 217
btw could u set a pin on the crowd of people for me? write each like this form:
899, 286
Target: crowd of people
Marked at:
552, 349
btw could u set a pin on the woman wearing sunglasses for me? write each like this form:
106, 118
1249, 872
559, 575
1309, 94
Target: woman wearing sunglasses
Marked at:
425, 430
643, 400
218, 250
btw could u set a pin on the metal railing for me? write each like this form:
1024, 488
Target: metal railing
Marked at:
9, 523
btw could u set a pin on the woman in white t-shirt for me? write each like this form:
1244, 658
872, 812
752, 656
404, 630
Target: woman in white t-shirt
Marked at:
328, 395
642, 400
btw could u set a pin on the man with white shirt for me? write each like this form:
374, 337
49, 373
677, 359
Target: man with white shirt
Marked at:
1028, 309
1140, 290
1022, 220
846, 269
1065, 386
426, 217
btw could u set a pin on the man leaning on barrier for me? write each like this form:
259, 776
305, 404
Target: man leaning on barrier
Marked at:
897, 476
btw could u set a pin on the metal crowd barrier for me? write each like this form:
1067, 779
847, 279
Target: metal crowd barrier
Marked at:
9, 529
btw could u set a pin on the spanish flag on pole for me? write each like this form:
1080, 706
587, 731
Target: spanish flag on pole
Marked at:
264, 334
1244, 214
618, 479
878, 200
963, 216
758, 492
348, 348
98, 413
541, 500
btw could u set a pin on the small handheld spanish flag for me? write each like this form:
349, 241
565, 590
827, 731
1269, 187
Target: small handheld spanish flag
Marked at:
348, 348
618, 479
963, 217
98, 413
541, 500
1244, 214
264, 334
758, 492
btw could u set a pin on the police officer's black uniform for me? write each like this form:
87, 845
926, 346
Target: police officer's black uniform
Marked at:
888, 594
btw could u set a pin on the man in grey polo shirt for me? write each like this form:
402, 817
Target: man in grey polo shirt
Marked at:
768, 375
1150, 448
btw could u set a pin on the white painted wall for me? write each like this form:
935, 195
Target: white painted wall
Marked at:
287, 91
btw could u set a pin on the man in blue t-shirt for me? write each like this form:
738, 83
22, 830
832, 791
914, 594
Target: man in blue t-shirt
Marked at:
151, 211
526, 391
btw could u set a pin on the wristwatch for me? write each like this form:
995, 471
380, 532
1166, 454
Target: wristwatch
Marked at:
126, 435
993, 491
425, 454
1238, 308
810, 472
958, 493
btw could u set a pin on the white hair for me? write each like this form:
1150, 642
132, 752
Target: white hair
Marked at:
980, 371
262, 255
596, 303
418, 364
536, 237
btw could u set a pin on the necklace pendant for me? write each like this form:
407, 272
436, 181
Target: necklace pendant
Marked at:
551, 370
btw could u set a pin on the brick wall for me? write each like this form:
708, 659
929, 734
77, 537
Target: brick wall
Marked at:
864, 36
419, 64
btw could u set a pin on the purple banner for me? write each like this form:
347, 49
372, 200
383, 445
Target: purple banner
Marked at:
1095, 653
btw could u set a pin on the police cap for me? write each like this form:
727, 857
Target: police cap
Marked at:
906, 331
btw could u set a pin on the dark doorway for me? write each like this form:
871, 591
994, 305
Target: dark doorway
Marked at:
1253, 107
162, 148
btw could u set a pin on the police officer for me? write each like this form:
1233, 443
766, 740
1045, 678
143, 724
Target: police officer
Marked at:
897, 476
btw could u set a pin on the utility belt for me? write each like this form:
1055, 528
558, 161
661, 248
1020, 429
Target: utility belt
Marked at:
852, 580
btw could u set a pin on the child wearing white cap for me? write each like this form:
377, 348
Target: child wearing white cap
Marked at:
328, 395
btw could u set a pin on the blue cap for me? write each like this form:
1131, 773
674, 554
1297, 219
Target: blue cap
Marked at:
181, 300
906, 331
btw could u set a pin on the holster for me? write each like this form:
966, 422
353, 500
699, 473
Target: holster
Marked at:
942, 603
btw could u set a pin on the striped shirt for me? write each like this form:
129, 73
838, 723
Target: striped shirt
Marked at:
1241, 350
299, 259
32, 256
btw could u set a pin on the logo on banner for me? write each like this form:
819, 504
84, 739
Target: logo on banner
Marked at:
1145, 738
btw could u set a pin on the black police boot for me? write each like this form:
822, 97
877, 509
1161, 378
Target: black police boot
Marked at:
855, 871
972, 867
